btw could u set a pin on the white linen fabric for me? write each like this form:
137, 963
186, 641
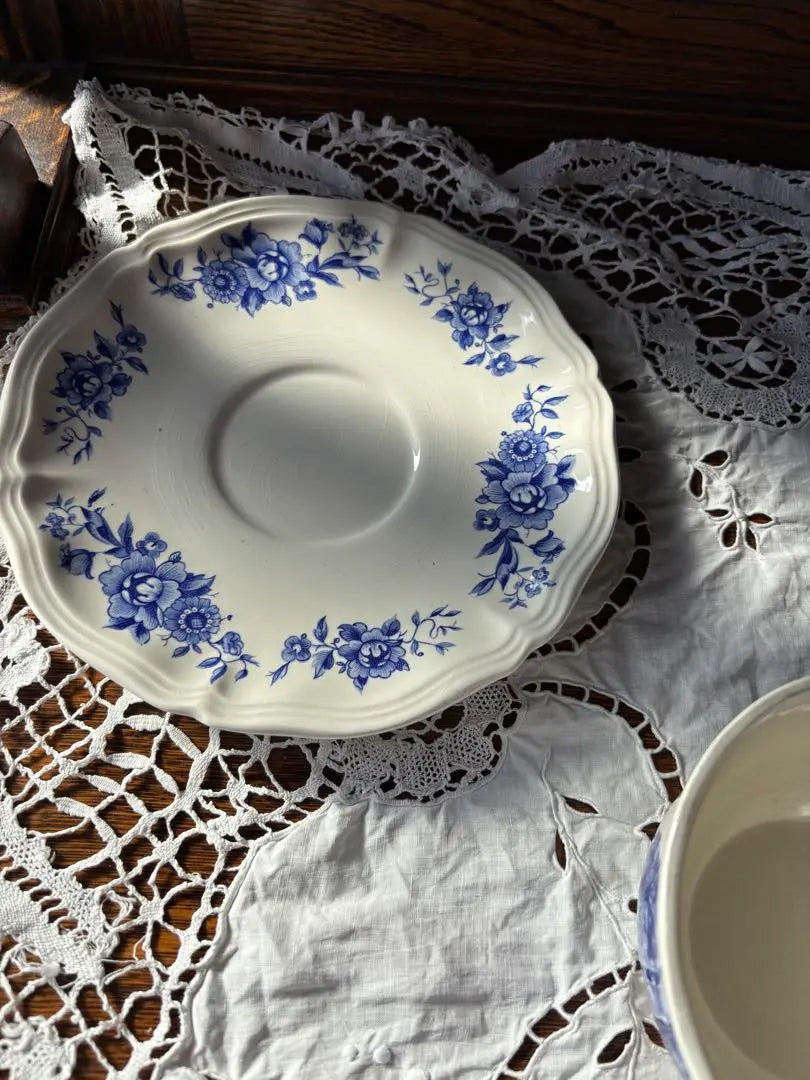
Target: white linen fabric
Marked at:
454, 901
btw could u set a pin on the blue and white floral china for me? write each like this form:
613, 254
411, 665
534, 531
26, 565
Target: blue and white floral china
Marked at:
307, 466
723, 903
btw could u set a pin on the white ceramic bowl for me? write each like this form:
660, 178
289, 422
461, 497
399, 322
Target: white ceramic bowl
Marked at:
724, 906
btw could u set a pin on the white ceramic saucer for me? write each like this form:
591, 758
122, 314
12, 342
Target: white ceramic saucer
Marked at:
308, 466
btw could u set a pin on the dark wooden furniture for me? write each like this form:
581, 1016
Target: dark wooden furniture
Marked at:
708, 76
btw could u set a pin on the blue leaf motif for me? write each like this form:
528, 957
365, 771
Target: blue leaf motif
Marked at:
321, 630
492, 546
483, 586
493, 469
196, 584
105, 347
125, 534
566, 464
322, 662
97, 526
279, 673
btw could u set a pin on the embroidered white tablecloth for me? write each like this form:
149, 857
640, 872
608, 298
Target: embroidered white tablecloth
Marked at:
455, 901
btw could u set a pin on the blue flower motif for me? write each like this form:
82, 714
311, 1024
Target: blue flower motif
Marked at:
528, 499
140, 591
485, 519
370, 653
143, 594
258, 270
192, 619
306, 291
90, 384
76, 560
549, 548
317, 232
55, 524
525, 483
270, 266
353, 230
130, 337
473, 314
523, 450
523, 412
222, 281
502, 364
296, 648
232, 643
364, 653
152, 544
475, 322
540, 579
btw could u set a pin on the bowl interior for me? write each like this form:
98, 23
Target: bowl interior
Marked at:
744, 902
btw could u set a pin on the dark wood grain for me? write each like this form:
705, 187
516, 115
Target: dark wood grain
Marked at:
149, 29
718, 48
35, 31
719, 78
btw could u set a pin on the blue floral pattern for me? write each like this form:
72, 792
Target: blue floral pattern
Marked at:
362, 652
648, 949
253, 269
89, 381
475, 320
147, 590
525, 484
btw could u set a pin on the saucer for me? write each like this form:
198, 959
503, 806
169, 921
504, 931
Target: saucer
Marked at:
305, 466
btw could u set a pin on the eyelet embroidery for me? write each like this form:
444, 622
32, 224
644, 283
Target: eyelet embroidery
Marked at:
718, 498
